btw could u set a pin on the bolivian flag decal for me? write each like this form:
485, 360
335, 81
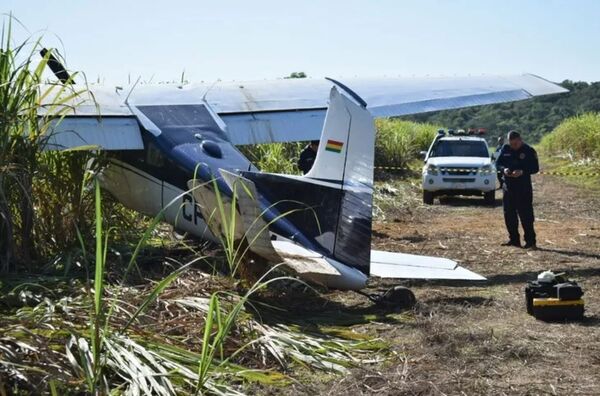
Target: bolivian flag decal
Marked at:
334, 146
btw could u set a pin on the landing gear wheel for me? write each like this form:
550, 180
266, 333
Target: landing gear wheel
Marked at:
490, 197
398, 297
428, 198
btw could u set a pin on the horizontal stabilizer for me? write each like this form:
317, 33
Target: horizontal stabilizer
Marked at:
410, 266
304, 261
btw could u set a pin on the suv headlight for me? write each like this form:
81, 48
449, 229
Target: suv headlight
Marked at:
431, 170
487, 169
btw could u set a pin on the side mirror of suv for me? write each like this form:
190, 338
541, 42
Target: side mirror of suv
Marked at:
423, 155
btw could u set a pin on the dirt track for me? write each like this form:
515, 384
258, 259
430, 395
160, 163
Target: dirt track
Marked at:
480, 340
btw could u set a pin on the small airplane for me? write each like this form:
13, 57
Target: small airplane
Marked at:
171, 143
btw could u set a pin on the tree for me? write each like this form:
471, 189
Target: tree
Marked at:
297, 75
533, 118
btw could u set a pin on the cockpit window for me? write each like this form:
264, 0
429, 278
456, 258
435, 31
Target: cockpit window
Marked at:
459, 148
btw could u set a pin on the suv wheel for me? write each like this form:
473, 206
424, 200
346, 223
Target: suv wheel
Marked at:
428, 197
490, 197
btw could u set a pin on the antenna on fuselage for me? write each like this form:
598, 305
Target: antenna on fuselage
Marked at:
132, 88
57, 68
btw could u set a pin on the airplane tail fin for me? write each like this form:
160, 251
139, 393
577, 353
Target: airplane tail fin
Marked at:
346, 156
347, 145
336, 195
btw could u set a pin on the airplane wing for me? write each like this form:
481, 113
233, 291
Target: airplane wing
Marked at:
410, 266
294, 109
102, 133
289, 110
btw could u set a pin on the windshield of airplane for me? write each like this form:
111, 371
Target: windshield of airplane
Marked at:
459, 148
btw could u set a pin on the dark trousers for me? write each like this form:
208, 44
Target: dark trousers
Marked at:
518, 204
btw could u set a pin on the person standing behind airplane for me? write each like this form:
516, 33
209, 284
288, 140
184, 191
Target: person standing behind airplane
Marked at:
499, 145
518, 161
308, 156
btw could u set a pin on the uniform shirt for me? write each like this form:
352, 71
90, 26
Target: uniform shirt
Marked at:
525, 159
307, 159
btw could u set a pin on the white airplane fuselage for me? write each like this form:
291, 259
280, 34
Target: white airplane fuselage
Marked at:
144, 193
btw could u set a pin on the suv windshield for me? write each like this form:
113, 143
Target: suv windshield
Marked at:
459, 148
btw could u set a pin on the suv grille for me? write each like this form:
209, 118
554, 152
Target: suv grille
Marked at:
459, 171
458, 179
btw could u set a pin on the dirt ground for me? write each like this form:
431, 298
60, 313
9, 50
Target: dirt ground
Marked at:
479, 339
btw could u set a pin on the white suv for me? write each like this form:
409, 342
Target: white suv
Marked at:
458, 165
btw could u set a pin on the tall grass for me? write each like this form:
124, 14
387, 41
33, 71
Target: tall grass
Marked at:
275, 157
576, 137
398, 142
104, 336
40, 191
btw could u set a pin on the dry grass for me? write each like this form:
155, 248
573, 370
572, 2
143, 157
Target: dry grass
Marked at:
479, 340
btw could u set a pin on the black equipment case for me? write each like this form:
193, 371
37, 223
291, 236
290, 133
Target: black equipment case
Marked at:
559, 300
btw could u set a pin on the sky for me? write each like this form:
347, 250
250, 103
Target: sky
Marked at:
118, 41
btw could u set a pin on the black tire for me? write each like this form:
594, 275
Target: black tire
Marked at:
490, 197
398, 298
428, 197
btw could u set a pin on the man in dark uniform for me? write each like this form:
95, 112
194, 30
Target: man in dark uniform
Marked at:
307, 156
518, 161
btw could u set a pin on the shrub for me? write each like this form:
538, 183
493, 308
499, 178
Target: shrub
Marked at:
578, 137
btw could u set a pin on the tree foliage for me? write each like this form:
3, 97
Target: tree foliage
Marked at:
533, 118
297, 75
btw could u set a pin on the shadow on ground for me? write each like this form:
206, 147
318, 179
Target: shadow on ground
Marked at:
468, 202
571, 253
468, 301
523, 277
311, 309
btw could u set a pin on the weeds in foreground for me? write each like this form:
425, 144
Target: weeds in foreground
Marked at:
170, 338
